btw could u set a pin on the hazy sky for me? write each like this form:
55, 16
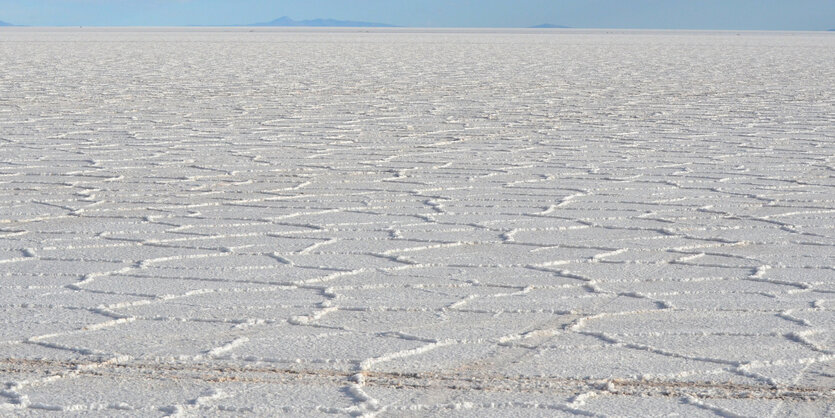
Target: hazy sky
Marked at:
662, 14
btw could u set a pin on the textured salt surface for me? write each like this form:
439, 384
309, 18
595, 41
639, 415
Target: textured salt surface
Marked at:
411, 223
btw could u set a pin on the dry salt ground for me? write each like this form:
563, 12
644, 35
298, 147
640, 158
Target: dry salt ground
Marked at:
407, 223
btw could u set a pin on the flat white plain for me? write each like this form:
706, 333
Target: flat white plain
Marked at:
400, 222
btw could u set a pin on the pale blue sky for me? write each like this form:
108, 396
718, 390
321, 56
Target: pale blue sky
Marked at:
660, 14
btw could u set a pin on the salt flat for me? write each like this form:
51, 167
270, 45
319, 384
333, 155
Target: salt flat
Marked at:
402, 222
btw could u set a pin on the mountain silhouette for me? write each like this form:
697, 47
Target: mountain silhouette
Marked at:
549, 26
286, 21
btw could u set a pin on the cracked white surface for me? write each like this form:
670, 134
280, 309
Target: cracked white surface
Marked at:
400, 222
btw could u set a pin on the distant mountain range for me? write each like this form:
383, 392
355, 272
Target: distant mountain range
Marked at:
286, 21
2, 23
549, 26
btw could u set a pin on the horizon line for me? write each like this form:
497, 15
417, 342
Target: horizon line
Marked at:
252, 26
